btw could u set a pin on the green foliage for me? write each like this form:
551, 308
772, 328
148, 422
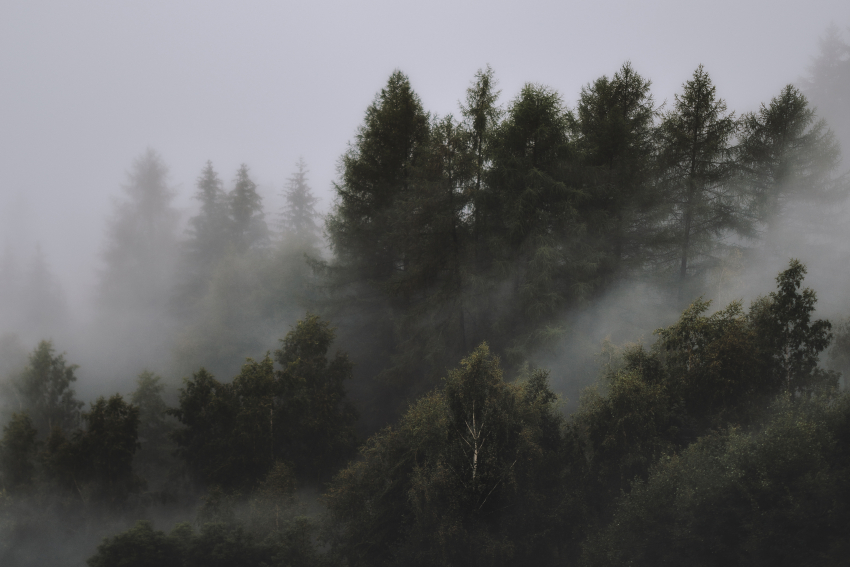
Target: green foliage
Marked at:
787, 332
215, 545
696, 155
316, 427
375, 171
787, 154
17, 453
776, 496
704, 373
469, 476
97, 462
233, 433
155, 426
614, 131
44, 390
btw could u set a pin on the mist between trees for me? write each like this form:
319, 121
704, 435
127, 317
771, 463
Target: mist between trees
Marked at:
462, 256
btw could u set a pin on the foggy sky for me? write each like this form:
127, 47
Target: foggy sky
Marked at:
87, 86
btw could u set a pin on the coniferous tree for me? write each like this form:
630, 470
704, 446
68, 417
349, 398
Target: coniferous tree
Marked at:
614, 128
375, 172
786, 155
155, 426
140, 252
827, 84
299, 215
539, 233
248, 225
696, 155
367, 234
209, 229
482, 116
18, 453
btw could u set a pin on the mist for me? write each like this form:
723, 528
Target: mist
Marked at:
173, 185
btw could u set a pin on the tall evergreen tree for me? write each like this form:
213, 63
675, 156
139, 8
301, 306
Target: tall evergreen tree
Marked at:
786, 154
366, 231
696, 155
299, 215
827, 84
482, 116
436, 212
614, 129
248, 224
542, 252
375, 172
142, 240
209, 229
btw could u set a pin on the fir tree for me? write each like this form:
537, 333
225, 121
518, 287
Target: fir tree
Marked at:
787, 154
246, 213
696, 156
614, 128
142, 245
299, 215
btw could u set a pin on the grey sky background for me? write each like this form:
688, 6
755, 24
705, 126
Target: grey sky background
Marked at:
86, 86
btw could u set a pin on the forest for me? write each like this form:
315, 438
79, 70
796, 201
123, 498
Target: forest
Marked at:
385, 384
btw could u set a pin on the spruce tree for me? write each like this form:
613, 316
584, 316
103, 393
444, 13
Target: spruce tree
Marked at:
614, 129
140, 252
248, 224
537, 241
375, 172
696, 139
209, 228
299, 215
786, 154
827, 84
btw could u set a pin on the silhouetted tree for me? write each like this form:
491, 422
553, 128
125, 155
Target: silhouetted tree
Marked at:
246, 213
615, 138
696, 156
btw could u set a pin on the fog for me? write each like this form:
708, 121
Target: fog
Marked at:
89, 85
93, 93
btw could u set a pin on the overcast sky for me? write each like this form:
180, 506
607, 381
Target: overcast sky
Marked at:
86, 86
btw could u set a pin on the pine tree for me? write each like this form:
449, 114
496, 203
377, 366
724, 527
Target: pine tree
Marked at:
246, 213
537, 241
142, 240
614, 129
209, 228
697, 156
299, 215
482, 117
786, 154
375, 172
827, 84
